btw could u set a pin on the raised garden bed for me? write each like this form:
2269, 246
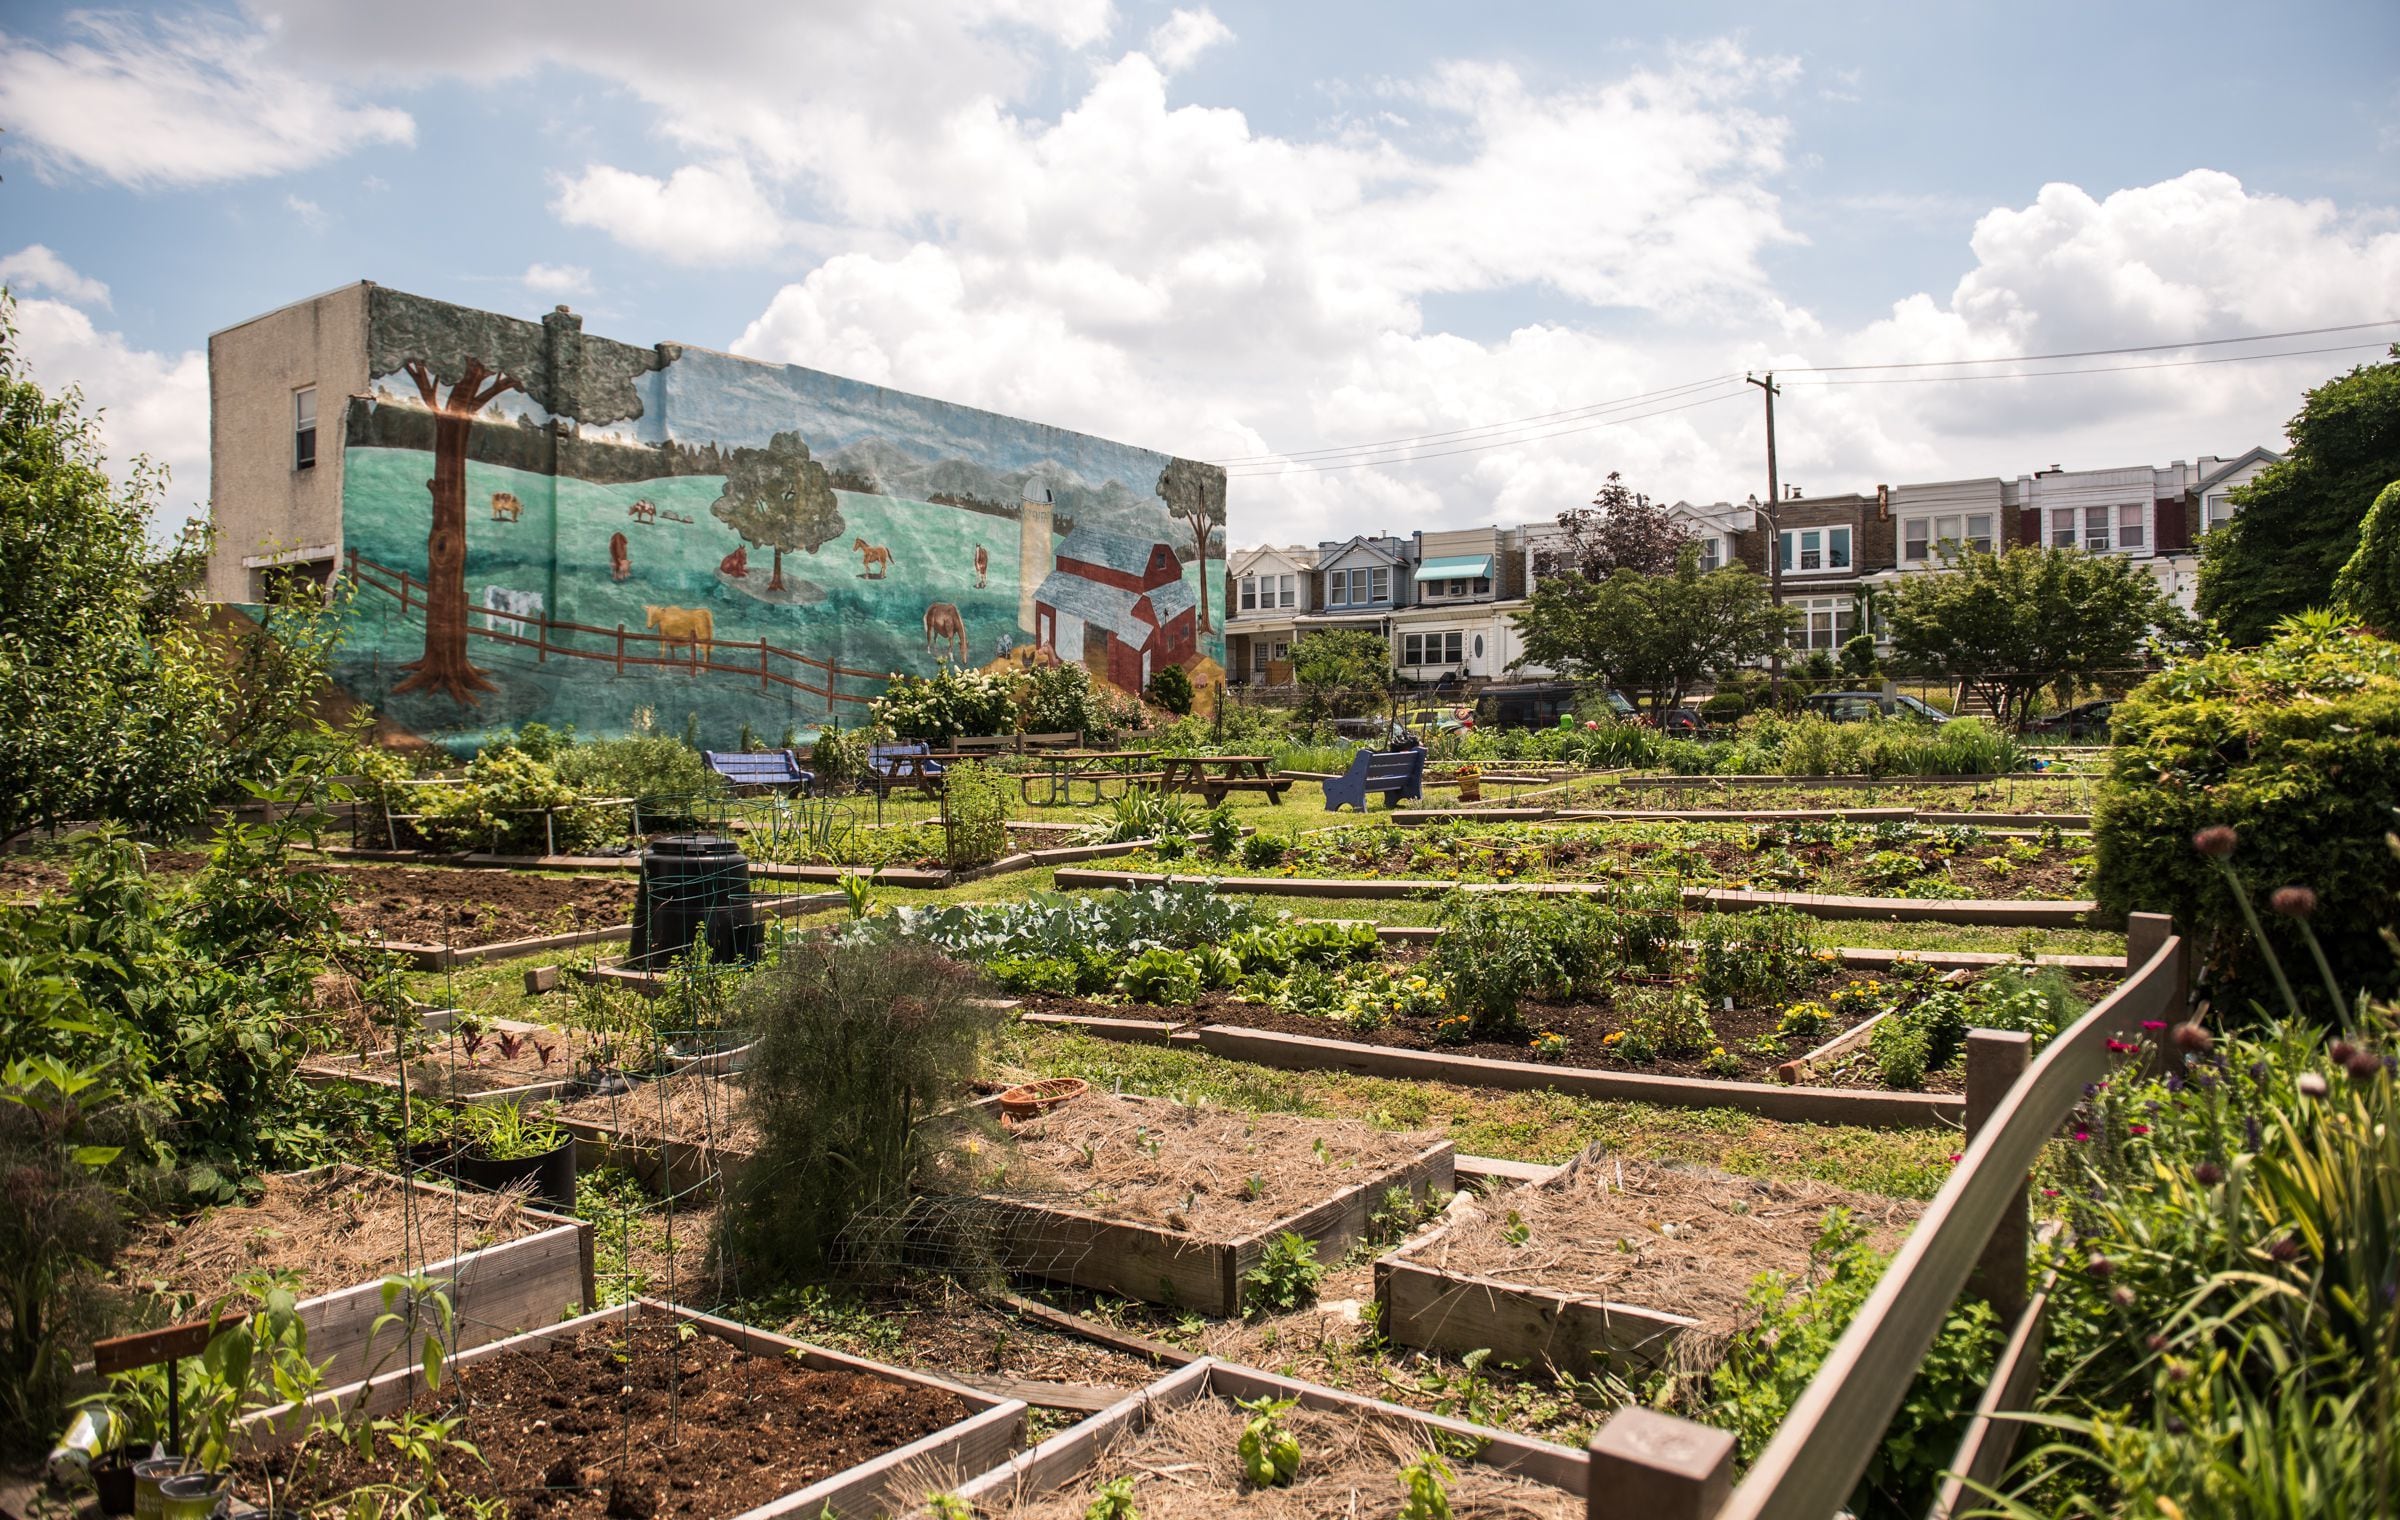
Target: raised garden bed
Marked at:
651, 1410
1629, 1263
1177, 1443
1172, 1204
674, 1133
344, 1229
436, 906
501, 1060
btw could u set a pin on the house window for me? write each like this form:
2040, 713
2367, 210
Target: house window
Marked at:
1712, 554
2220, 509
1922, 538
2062, 527
1458, 588
304, 428
1289, 590
1383, 585
1432, 648
2133, 525
2097, 530
1826, 622
1807, 549
1249, 593
1483, 585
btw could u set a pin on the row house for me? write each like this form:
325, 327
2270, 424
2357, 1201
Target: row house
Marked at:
1442, 600
1835, 550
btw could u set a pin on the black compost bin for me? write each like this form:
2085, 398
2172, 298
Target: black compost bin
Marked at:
693, 885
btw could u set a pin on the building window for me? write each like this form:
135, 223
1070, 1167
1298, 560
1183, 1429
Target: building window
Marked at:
1922, 538
2062, 527
1483, 585
1258, 657
1249, 593
2133, 525
304, 428
1807, 549
2220, 510
1458, 588
1289, 590
1712, 554
1383, 585
1826, 622
1432, 648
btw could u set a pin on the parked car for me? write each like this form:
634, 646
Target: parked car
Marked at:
2085, 720
1857, 706
1439, 720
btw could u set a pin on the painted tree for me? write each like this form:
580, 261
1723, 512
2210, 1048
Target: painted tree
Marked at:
2369, 586
778, 498
1195, 492
460, 362
1620, 530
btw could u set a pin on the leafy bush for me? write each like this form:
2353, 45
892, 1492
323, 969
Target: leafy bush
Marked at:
1672, 1023
839, 756
516, 805
1171, 689
669, 780
1262, 851
1285, 1279
2294, 746
1224, 831
1056, 974
1148, 812
1496, 950
1792, 1328
858, 1045
1178, 915
1064, 699
2036, 1003
1903, 1051
1164, 977
1766, 955
950, 705
974, 814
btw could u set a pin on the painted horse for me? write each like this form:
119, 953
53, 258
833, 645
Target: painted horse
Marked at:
875, 561
943, 625
620, 557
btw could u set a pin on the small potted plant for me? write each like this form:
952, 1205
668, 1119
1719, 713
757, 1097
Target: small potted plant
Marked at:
502, 1146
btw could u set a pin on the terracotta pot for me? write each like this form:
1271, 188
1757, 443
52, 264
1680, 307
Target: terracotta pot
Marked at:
1040, 1097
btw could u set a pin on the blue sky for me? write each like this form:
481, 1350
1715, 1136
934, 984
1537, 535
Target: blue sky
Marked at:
1244, 230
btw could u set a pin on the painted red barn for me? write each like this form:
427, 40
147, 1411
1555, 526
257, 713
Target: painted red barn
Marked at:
1118, 603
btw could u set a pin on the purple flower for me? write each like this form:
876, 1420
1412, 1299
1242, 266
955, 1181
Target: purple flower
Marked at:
2208, 1174
2250, 1133
2284, 1248
2100, 1266
2090, 1089
2216, 841
2293, 902
2174, 1081
2258, 1071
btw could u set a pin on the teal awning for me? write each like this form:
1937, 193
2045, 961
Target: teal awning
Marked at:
1460, 567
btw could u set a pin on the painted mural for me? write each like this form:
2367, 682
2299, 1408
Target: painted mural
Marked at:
545, 526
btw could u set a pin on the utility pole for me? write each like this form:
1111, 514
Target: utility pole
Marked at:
1774, 533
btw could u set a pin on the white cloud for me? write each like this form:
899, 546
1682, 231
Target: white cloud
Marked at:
35, 267
557, 279
187, 100
700, 214
1177, 42
312, 216
151, 403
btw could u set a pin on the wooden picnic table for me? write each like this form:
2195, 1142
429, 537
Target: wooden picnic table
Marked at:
1062, 768
1212, 776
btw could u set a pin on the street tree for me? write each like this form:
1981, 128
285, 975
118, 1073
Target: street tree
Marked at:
460, 362
780, 499
1195, 492
1339, 669
2029, 620
2298, 521
2369, 586
1653, 635
1620, 530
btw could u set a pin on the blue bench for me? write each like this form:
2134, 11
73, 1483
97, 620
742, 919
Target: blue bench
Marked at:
890, 765
766, 767
1395, 773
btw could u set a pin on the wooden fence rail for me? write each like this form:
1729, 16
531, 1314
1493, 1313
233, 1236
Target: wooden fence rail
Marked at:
1972, 1230
546, 640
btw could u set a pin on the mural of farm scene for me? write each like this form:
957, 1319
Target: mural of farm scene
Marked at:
544, 527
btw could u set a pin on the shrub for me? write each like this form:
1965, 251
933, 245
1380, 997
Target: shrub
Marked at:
974, 814
1285, 1279
1672, 1023
1262, 851
953, 704
1055, 974
839, 756
1223, 829
1064, 699
1901, 1050
1767, 955
1146, 812
2296, 747
669, 781
1171, 689
2037, 1003
858, 1045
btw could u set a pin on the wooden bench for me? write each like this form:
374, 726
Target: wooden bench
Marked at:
770, 768
1395, 773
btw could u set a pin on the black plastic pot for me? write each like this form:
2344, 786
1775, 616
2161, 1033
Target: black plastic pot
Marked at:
552, 1174
114, 1480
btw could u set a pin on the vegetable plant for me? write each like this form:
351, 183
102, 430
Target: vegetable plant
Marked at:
1285, 1279
1270, 1453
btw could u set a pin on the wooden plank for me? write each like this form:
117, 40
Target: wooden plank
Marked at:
1081, 1398
1095, 1332
1991, 1435
123, 1353
1808, 1470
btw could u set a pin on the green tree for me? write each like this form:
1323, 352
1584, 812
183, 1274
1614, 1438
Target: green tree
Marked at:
2029, 620
2299, 521
1652, 634
460, 362
115, 702
1341, 667
2369, 586
779, 498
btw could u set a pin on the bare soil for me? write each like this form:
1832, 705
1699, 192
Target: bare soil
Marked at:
1685, 1241
335, 1228
589, 1426
25, 877
463, 908
1208, 1172
1186, 1465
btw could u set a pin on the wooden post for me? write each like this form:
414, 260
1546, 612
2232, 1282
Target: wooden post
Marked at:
2144, 933
762, 662
1652, 1466
1996, 1059
541, 641
620, 649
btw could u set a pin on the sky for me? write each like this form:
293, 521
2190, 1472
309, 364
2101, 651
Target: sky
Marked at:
1269, 234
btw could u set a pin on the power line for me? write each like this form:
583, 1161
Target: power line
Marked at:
2095, 369
1476, 448
2102, 353
1535, 420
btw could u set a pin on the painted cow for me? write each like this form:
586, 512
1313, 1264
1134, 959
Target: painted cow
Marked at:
506, 507
507, 611
690, 628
